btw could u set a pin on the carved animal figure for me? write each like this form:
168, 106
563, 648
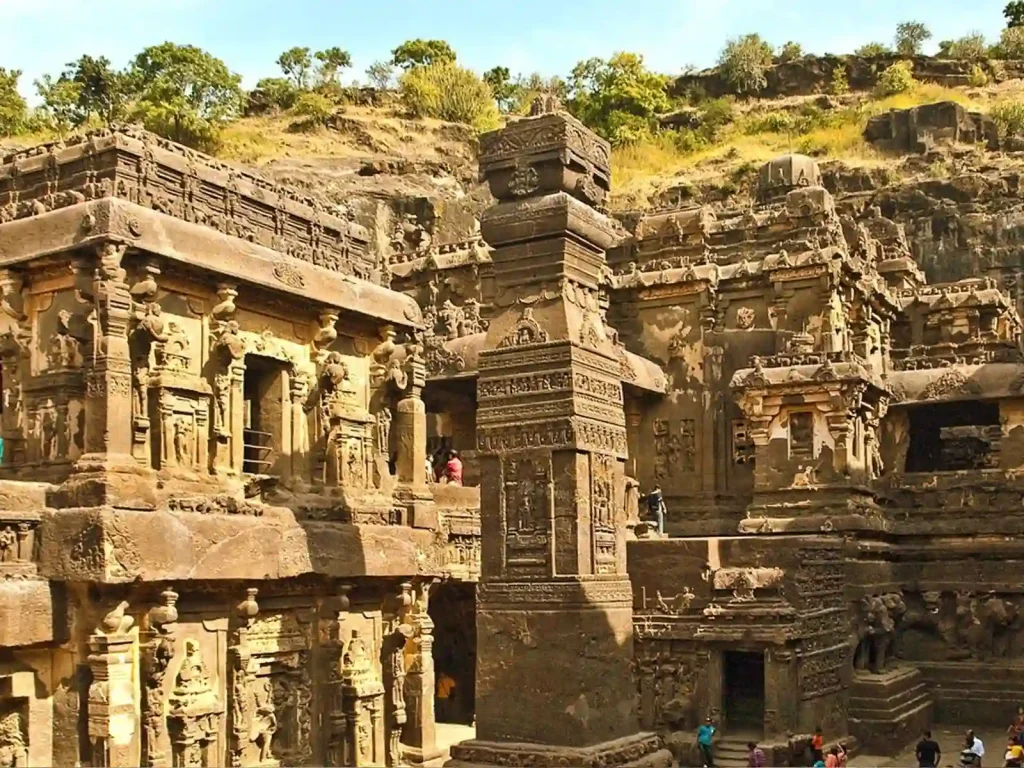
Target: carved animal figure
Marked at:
117, 622
875, 630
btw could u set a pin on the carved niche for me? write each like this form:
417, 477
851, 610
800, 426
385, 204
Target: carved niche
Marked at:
674, 449
350, 436
603, 512
194, 712
526, 503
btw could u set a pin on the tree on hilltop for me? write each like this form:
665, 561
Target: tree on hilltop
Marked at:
418, 53
184, 93
332, 61
1014, 13
910, 37
380, 74
743, 63
102, 91
503, 88
60, 103
296, 64
873, 50
12, 105
619, 98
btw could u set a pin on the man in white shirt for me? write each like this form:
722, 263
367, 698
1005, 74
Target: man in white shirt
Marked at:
976, 746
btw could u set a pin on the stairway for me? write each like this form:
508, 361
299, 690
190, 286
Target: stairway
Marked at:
732, 753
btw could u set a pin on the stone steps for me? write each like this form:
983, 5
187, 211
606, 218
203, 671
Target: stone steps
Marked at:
889, 709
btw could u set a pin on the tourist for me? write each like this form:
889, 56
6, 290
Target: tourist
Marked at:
975, 746
428, 467
453, 469
844, 755
832, 758
1014, 757
445, 697
656, 508
1016, 729
927, 751
818, 744
705, 734
756, 758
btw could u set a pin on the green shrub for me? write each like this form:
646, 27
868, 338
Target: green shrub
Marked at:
446, 91
897, 78
743, 63
978, 77
1011, 44
971, 47
839, 85
272, 93
872, 50
1008, 117
314, 107
618, 97
791, 51
715, 115
688, 141
776, 121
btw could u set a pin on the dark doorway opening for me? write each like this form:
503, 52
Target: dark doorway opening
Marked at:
453, 609
947, 437
264, 388
743, 689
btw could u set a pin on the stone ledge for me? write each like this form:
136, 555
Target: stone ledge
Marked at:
642, 750
116, 546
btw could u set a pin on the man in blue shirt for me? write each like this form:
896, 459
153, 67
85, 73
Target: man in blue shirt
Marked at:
705, 734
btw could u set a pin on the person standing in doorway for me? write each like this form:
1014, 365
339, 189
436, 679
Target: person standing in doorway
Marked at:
927, 751
705, 734
656, 508
445, 697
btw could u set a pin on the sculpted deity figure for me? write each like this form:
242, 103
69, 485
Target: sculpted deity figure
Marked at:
183, 441
8, 545
450, 315
264, 724
384, 419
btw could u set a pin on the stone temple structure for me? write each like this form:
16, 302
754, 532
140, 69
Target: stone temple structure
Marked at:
218, 545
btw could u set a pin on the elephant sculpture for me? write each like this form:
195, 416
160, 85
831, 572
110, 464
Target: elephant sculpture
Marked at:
876, 630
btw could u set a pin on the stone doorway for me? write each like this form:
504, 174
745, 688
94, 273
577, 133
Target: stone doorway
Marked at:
266, 396
453, 609
743, 690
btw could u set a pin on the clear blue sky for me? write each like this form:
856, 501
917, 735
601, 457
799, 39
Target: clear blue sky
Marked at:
547, 36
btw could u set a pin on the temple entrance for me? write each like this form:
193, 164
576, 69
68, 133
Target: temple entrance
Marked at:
743, 690
265, 392
453, 609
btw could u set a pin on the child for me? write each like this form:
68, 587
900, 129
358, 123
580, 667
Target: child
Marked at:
818, 745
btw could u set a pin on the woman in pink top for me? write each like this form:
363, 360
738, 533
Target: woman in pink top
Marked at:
453, 469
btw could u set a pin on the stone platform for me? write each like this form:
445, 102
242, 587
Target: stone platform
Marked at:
642, 750
889, 708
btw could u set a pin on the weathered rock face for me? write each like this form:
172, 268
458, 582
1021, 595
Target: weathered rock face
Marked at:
813, 74
919, 129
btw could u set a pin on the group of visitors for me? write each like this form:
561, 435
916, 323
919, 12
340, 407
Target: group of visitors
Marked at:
444, 466
836, 756
973, 750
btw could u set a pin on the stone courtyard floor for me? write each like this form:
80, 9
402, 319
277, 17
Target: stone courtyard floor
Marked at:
950, 738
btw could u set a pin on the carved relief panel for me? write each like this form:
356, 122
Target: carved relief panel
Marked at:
604, 512
527, 507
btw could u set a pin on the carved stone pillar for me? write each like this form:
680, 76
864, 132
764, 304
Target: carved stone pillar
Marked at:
419, 738
393, 654
362, 701
156, 659
411, 427
228, 378
552, 458
194, 712
112, 714
337, 744
299, 385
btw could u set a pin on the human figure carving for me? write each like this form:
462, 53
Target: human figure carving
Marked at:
264, 724
183, 441
8, 545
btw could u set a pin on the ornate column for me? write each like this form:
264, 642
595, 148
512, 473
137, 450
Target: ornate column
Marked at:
393, 653
107, 471
337, 745
298, 391
411, 429
551, 436
362, 700
419, 738
228, 379
156, 659
112, 710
